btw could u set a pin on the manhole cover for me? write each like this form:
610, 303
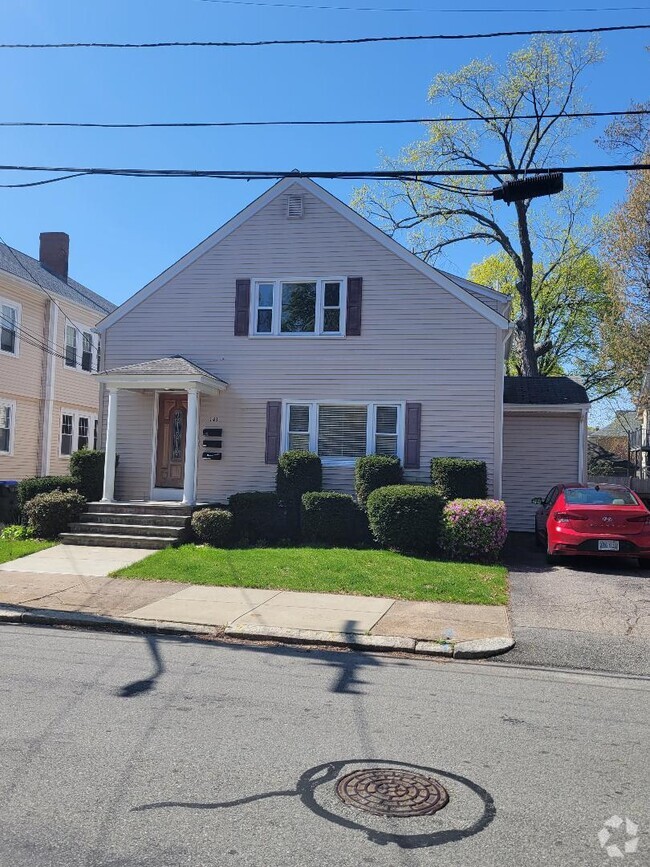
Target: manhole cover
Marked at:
392, 792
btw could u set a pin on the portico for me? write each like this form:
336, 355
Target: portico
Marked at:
177, 385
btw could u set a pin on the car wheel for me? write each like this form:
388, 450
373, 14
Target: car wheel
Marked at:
644, 562
552, 559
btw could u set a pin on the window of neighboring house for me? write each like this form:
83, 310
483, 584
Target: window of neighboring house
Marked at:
9, 324
7, 426
75, 431
95, 433
341, 433
81, 348
284, 307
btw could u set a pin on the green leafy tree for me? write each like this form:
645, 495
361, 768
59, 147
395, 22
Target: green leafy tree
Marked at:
541, 79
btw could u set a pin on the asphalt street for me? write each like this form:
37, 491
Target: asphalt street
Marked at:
150, 752
587, 612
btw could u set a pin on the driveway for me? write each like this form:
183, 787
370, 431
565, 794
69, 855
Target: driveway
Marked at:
587, 613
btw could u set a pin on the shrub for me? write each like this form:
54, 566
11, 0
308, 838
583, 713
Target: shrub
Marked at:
214, 526
16, 532
474, 529
298, 473
406, 517
9, 509
257, 516
48, 515
375, 471
332, 519
458, 478
87, 470
30, 487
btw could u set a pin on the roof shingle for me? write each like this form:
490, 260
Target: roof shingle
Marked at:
543, 390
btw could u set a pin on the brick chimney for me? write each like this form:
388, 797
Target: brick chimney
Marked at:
53, 254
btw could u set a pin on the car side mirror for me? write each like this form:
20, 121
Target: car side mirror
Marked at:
537, 501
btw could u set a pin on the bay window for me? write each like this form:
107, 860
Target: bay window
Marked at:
298, 307
342, 432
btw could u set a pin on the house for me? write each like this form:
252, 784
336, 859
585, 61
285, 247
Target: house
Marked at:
612, 443
48, 352
299, 324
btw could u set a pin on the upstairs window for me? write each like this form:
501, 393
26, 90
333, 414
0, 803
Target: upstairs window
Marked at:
9, 323
298, 307
341, 433
81, 348
7, 416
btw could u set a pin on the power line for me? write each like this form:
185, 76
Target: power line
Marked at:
351, 122
357, 41
370, 174
438, 11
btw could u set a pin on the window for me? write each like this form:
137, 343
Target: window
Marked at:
76, 430
81, 348
342, 432
9, 324
298, 307
7, 424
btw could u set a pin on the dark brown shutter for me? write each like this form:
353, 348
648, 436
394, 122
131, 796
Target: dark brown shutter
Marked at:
412, 436
273, 420
353, 314
242, 307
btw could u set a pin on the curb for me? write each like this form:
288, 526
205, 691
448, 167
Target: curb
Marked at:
478, 649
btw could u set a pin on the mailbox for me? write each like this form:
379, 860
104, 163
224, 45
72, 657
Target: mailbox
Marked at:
212, 444
212, 456
212, 431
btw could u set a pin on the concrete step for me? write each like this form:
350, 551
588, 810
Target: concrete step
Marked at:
176, 521
105, 541
141, 508
171, 533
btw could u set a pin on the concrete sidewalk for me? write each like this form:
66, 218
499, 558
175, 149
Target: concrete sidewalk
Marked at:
28, 590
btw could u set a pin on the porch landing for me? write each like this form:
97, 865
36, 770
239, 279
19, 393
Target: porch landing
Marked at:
136, 524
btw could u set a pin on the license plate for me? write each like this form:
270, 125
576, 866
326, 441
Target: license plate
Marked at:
607, 545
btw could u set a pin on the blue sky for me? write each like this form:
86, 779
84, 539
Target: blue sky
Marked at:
124, 232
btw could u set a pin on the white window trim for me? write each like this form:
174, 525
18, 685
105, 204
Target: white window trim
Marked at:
19, 317
276, 320
371, 427
80, 330
12, 429
76, 415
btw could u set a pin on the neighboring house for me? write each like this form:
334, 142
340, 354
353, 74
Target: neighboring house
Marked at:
299, 324
640, 439
612, 443
48, 352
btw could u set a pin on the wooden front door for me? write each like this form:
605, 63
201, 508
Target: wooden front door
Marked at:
170, 456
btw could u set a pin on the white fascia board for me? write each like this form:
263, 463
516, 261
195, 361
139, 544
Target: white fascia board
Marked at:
541, 408
161, 383
337, 205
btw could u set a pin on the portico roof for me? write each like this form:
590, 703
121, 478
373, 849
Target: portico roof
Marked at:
166, 374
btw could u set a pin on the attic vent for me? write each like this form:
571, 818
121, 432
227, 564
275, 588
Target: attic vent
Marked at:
294, 208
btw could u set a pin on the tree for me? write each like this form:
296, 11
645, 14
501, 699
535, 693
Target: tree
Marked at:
571, 302
540, 79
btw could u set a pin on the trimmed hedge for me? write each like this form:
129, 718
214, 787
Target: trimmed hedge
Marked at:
459, 478
330, 518
257, 516
406, 518
298, 473
213, 526
474, 529
48, 515
87, 470
30, 487
375, 471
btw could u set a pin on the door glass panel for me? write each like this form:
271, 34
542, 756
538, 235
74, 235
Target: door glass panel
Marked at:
177, 435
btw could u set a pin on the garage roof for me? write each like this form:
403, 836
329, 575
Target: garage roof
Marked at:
533, 390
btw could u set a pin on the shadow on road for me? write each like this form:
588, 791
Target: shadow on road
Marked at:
137, 687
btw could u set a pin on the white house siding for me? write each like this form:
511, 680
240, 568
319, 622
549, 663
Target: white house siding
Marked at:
539, 450
418, 343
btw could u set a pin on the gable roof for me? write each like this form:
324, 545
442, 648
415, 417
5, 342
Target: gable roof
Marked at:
21, 265
439, 277
549, 390
625, 420
173, 365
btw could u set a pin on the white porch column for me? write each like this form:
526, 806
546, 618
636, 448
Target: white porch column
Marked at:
111, 445
191, 441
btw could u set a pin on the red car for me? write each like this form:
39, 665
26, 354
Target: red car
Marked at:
593, 520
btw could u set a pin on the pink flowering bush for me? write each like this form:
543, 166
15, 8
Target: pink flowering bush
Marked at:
474, 529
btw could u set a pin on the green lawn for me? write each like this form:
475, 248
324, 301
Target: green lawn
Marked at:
19, 548
329, 570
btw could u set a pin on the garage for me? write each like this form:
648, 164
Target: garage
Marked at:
544, 441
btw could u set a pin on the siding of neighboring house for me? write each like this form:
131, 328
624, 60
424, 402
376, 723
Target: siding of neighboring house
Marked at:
538, 452
418, 343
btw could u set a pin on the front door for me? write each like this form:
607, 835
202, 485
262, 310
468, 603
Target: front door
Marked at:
170, 456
